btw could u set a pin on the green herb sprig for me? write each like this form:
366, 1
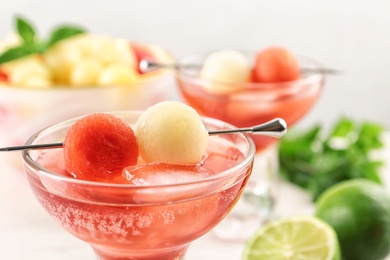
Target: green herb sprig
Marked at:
316, 162
31, 44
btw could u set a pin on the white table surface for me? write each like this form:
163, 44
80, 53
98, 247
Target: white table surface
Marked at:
27, 232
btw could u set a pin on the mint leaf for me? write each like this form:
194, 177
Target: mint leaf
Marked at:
31, 45
25, 30
63, 32
370, 136
18, 52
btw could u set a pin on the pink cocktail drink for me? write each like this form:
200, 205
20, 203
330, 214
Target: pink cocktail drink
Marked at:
250, 103
157, 213
245, 104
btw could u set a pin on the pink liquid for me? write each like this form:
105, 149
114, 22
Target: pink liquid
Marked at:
143, 224
252, 105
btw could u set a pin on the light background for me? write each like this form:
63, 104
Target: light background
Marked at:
352, 36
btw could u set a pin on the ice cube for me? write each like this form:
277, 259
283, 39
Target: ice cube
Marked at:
164, 174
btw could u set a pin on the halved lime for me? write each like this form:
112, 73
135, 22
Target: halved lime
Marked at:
293, 238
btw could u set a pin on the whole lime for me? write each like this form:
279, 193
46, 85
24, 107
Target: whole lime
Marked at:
359, 212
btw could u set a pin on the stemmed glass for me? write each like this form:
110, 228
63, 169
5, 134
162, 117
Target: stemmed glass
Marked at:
124, 221
248, 104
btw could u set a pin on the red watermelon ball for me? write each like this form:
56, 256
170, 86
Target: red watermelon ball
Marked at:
276, 64
98, 147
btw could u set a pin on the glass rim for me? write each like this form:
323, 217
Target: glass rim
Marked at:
313, 77
27, 159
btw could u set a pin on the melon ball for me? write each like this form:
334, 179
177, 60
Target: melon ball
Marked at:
171, 132
98, 146
226, 66
85, 72
117, 74
276, 64
28, 67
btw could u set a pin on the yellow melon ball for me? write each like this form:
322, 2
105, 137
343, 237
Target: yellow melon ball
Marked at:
11, 40
119, 51
171, 132
36, 81
26, 67
226, 69
61, 59
117, 74
85, 73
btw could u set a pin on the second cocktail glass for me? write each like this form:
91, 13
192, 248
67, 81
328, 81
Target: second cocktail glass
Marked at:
249, 104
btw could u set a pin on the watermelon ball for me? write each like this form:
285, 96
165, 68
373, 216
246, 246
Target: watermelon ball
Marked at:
275, 64
3, 76
98, 147
171, 132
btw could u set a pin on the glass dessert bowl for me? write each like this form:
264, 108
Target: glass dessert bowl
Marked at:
247, 103
125, 221
65, 82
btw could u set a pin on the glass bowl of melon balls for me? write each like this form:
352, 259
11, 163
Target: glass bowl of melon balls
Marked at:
245, 88
72, 72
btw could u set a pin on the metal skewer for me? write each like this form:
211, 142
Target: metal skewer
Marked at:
274, 128
146, 65
29, 147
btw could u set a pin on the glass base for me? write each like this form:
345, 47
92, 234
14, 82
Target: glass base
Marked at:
257, 203
176, 253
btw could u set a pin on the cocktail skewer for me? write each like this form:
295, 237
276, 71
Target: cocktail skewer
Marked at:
274, 128
146, 65
29, 147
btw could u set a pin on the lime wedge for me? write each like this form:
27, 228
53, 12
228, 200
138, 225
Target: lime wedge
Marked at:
293, 238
